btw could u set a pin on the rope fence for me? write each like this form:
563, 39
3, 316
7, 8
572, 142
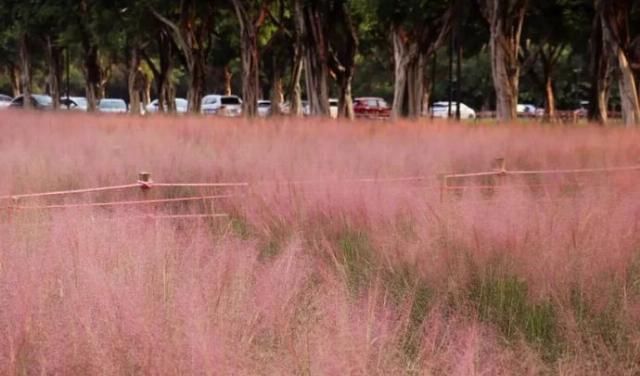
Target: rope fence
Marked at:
457, 182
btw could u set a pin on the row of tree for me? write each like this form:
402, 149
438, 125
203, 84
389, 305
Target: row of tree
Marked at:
321, 43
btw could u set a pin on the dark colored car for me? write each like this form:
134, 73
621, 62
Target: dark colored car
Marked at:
371, 107
38, 102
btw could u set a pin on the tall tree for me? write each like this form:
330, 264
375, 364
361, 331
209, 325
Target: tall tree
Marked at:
343, 46
191, 32
311, 21
418, 29
251, 16
505, 19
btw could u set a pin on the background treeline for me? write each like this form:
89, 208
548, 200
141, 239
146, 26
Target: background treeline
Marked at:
490, 54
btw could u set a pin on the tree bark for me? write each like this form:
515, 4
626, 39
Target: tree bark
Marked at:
93, 76
600, 74
628, 91
133, 81
295, 91
505, 18
228, 75
404, 53
310, 23
615, 20
25, 70
343, 43
54, 63
549, 98
191, 39
277, 96
15, 77
162, 72
249, 56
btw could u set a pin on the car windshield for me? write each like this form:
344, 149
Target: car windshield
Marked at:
230, 100
264, 104
112, 104
43, 100
209, 100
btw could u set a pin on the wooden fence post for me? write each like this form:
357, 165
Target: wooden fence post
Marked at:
144, 179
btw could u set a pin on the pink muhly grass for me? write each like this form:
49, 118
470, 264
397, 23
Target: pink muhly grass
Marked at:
318, 269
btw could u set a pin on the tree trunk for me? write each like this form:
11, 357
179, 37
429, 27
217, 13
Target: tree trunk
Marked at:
132, 81
295, 91
415, 86
15, 77
277, 96
599, 66
250, 69
54, 62
505, 22
345, 99
93, 77
309, 24
404, 53
25, 70
628, 91
228, 75
505, 78
196, 86
549, 99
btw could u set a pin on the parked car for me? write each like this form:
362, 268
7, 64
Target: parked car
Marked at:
112, 105
527, 110
38, 101
223, 105
181, 106
5, 101
74, 103
440, 110
264, 107
371, 107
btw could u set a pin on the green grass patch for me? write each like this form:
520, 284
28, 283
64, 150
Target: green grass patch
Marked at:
504, 302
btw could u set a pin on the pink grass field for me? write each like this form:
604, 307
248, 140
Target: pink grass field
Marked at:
328, 262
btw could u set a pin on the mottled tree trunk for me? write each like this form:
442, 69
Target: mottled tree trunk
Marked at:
277, 95
93, 77
505, 18
309, 24
132, 81
599, 66
54, 63
295, 91
404, 53
505, 74
25, 70
15, 77
628, 91
250, 70
228, 75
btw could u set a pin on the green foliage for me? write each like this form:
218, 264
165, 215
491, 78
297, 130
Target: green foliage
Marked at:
355, 258
504, 302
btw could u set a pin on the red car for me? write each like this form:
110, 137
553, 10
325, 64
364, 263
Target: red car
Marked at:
371, 107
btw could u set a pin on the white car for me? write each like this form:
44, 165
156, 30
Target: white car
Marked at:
526, 110
333, 108
38, 102
264, 108
181, 106
440, 110
224, 105
112, 105
5, 101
